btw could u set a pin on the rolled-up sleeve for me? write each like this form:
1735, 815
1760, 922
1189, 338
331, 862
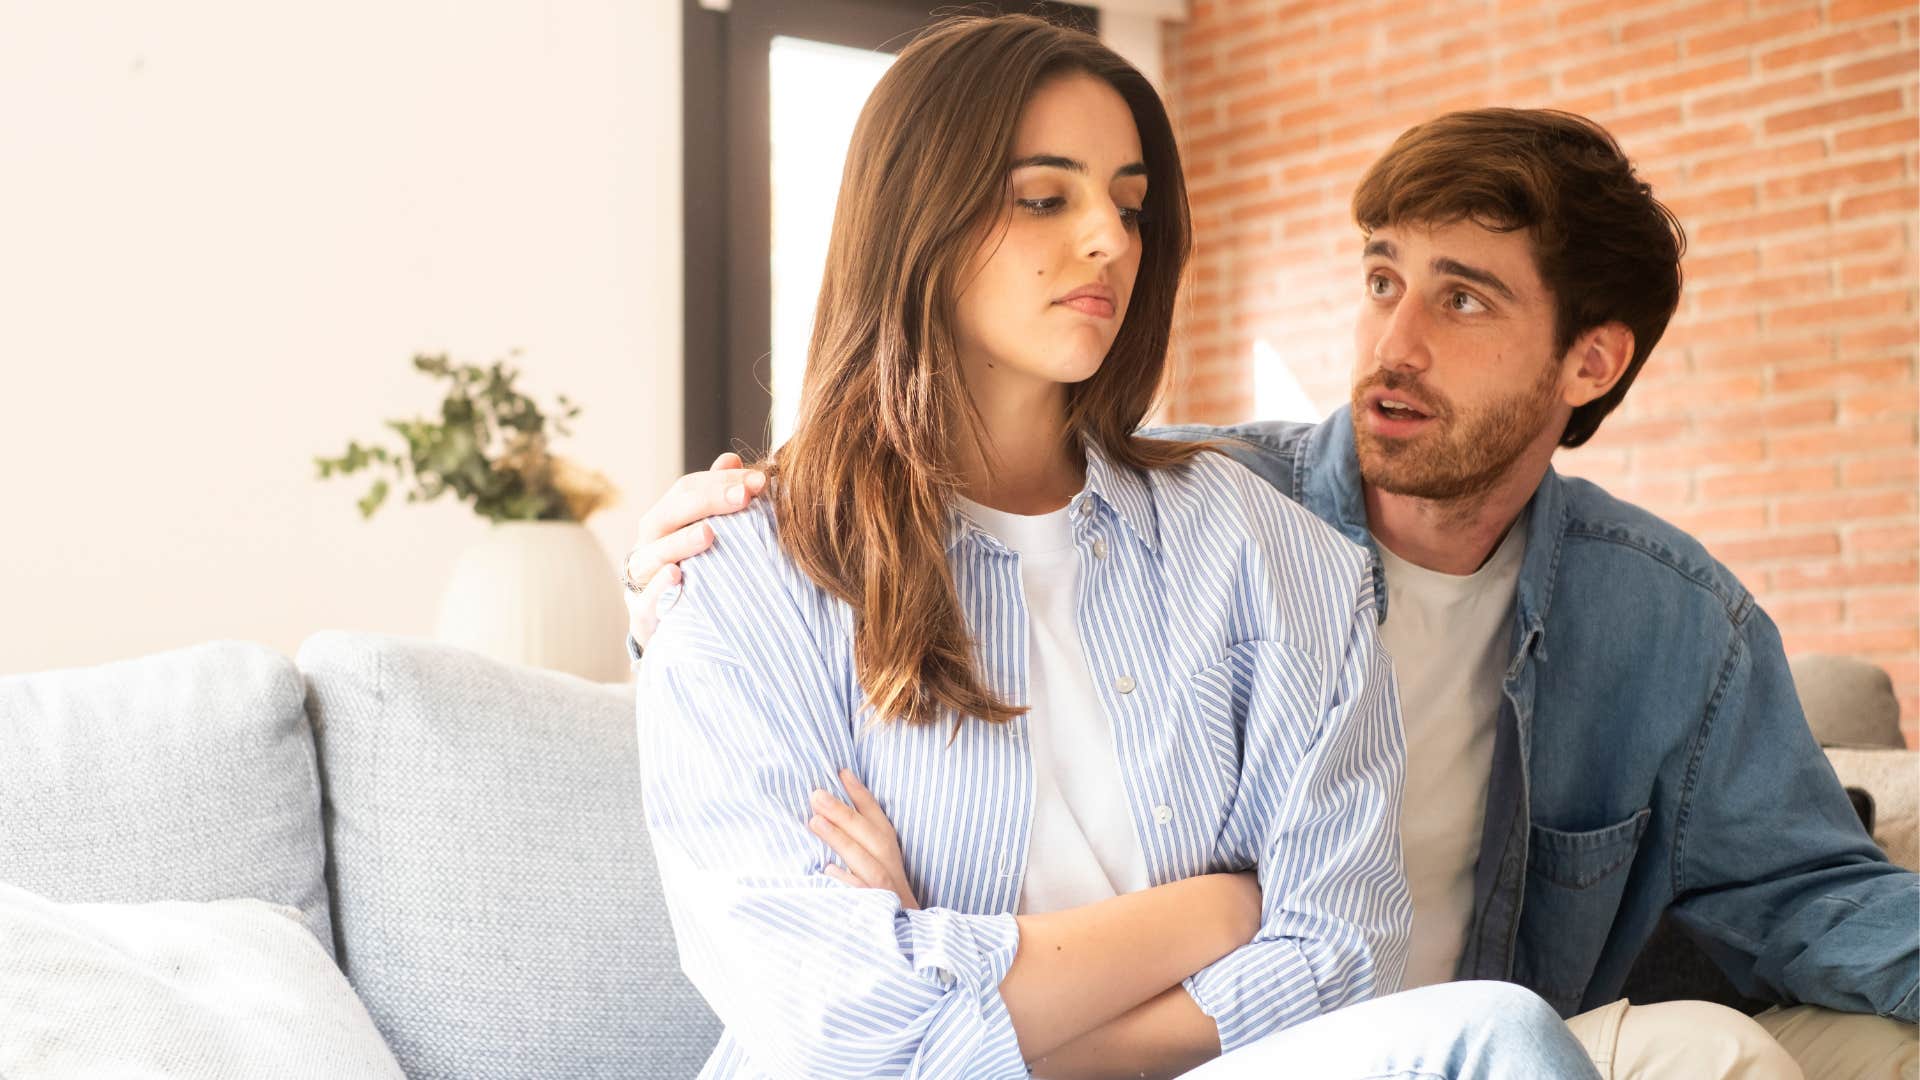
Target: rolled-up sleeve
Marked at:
1325, 808
812, 978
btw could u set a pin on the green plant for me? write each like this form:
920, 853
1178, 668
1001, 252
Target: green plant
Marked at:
489, 447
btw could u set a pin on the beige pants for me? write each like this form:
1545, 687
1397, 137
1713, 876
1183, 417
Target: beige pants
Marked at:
1844, 1046
1694, 1039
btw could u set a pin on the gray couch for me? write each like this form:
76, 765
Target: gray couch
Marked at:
464, 837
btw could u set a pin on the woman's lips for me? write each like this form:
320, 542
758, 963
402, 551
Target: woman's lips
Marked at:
1089, 305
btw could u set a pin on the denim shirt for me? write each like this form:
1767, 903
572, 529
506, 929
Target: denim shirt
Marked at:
1651, 757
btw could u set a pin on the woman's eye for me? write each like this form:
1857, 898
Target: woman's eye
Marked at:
1041, 206
1132, 216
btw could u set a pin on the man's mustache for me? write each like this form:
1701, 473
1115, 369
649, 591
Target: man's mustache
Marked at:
1426, 399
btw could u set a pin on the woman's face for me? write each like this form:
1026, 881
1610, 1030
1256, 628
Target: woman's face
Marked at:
1047, 290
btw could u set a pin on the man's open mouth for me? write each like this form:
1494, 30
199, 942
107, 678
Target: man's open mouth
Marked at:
1396, 409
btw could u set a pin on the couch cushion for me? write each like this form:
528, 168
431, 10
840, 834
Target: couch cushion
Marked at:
1848, 701
188, 775
496, 904
1892, 778
230, 988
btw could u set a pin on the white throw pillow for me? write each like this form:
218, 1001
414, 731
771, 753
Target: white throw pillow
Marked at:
231, 988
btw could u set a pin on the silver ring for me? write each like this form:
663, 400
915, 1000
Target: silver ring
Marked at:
626, 571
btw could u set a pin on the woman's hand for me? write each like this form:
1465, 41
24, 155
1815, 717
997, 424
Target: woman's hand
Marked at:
863, 838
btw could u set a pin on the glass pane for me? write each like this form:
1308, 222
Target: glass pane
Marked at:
817, 91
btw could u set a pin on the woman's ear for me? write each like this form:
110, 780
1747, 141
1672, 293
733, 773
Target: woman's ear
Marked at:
1599, 358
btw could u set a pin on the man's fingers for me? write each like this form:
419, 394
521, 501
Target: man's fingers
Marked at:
643, 607
646, 560
700, 495
839, 874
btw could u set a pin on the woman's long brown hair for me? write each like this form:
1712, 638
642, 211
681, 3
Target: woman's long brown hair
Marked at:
862, 488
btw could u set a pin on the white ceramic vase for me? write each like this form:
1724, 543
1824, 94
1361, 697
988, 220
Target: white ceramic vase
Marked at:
541, 593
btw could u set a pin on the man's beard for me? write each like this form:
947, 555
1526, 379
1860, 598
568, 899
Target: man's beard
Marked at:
1466, 452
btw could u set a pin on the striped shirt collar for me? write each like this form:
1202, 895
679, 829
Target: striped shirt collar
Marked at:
1121, 488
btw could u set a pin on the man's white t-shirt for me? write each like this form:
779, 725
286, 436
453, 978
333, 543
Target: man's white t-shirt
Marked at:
1450, 638
1083, 847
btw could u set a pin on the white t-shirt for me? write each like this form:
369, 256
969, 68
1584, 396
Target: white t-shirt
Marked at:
1083, 847
1450, 638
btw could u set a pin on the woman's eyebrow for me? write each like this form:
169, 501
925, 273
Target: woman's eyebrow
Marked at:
1055, 161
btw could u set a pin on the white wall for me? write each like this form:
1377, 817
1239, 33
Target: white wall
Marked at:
225, 227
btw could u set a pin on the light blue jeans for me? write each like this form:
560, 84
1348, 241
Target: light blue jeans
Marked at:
1453, 1031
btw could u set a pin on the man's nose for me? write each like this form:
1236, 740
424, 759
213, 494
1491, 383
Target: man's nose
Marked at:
1402, 346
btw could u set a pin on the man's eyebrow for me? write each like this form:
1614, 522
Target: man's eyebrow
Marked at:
1383, 248
1456, 268
1055, 161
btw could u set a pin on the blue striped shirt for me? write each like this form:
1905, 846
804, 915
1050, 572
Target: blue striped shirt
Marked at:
1231, 635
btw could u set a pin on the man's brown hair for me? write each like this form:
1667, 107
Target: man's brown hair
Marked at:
1607, 250
862, 488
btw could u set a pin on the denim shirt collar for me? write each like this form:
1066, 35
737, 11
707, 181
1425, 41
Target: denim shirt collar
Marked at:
1327, 476
1547, 515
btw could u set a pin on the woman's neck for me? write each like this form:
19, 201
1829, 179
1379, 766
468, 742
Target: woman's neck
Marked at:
1023, 463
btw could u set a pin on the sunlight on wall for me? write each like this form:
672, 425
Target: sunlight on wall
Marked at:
817, 92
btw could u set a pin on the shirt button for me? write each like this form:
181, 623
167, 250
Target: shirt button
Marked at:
1162, 814
1099, 547
1086, 505
1124, 684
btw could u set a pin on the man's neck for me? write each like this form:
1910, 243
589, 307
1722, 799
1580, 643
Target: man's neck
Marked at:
1456, 536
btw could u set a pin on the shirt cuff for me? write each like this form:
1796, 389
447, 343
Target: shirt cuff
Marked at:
1254, 991
971, 952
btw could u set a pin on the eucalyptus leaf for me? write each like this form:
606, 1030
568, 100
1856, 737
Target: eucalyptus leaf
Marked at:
489, 447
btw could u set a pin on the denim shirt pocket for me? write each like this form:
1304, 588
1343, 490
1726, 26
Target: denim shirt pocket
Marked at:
1575, 881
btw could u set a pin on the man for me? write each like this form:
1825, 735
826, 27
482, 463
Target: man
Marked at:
1601, 725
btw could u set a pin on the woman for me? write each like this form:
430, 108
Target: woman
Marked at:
943, 598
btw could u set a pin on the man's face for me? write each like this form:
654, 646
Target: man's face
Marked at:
1455, 372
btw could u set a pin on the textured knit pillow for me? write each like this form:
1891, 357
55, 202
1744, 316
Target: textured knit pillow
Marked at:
186, 775
231, 988
495, 899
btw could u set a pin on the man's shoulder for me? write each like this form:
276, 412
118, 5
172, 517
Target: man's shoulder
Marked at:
1647, 546
1270, 448
1274, 436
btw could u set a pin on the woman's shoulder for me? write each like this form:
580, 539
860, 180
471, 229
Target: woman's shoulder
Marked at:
747, 575
1215, 490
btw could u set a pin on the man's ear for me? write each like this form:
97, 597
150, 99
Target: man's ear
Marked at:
1596, 362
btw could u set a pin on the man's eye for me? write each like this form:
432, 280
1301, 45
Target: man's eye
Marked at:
1041, 206
1465, 301
1378, 285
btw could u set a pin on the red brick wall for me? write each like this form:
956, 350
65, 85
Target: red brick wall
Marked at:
1777, 420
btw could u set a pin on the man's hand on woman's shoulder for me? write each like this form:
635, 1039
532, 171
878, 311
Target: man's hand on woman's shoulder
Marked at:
675, 529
